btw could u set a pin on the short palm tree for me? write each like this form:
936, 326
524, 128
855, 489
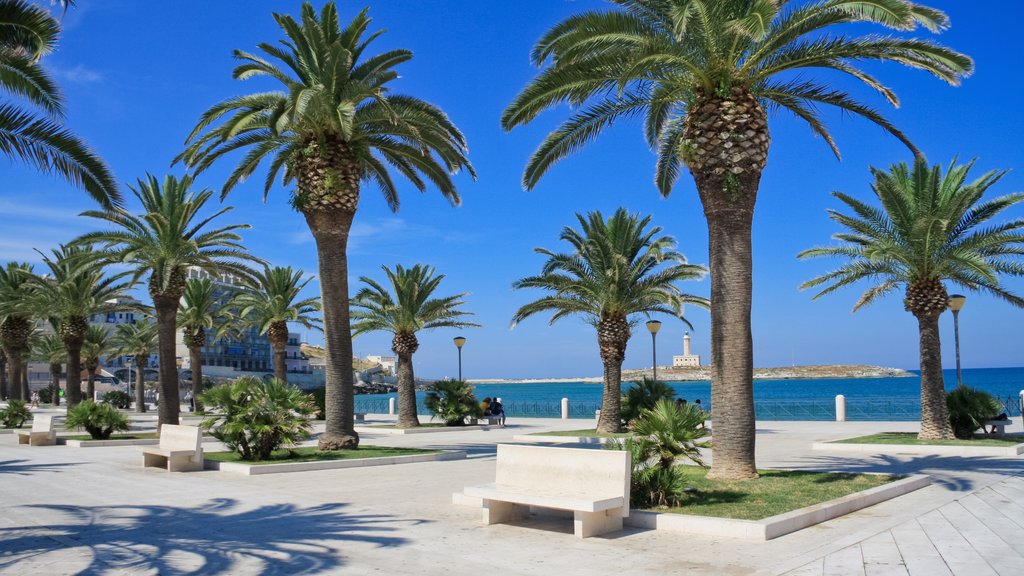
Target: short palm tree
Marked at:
137, 340
404, 307
334, 125
201, 310
27, 33
50, 350
16, 293
169, 237
271, 302
703, 75
97, 346
613, 274
928, 230
74, 289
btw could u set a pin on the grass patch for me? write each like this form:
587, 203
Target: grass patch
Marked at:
135, 436
775, 492
312, 454
911, 439
422, 425
589, 432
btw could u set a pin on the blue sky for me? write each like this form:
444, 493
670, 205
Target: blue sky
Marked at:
138, 74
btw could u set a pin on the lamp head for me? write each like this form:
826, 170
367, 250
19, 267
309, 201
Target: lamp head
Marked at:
459, 341
956, 302
653, 326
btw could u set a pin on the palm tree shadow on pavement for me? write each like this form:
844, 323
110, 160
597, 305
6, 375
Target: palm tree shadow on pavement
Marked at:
945, 471
220, 536
25, 467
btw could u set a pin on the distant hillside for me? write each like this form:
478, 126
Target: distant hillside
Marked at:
780, 373
317, 352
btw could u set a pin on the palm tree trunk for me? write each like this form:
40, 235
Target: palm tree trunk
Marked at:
74, 383
90, 387
407, 417
25, 395
935, 423
610, 421
330, 228
14, 369
3, 375
55, 384
166, 325
278, 336
196, 361
140, 384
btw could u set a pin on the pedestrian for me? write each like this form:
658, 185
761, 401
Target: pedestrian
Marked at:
498, 411
35, 399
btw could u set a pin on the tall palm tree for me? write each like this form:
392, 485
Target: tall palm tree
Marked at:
927, 232
406, 306
164, 241
97, 345
704, 74
334, 126
16, 293
613, 273
137, 340
201, 310
27, 33
271, 302
49, 349
3, 374
74, 289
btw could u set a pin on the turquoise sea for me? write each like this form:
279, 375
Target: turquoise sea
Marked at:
867, 398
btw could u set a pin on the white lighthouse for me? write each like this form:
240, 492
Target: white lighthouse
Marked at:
688, 359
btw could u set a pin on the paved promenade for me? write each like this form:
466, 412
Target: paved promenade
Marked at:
97, 511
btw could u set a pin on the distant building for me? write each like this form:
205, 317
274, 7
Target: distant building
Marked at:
687, 359
296, 361
388, 363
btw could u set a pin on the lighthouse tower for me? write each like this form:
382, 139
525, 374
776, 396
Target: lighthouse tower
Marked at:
688, 359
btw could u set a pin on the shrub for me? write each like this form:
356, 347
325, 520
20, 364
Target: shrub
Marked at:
118, 399
258, 416
643, 395
15, 415
661, 436
46, 395
99, 420
320, 398
453, 401
969, 408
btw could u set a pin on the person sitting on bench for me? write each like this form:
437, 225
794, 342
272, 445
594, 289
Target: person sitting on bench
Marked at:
498, 411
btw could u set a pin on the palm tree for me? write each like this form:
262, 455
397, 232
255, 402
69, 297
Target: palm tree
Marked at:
164, 241
74, 289
334, 126
27, 33
703, 74
50, 350
137, 340
611, 275
271, 302
97, 345
927, 232
3, 374
201, 310
404, 308
16, 293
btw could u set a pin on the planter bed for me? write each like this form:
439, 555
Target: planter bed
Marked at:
144, 439
907, 443
586, 436
386, 429
279, 467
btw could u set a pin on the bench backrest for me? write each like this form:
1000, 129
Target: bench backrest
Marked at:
175, 437
589, 473
42, 423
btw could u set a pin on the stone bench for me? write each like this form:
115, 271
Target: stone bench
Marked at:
180, 449
593, 484
42, 433
486, 420
998, 426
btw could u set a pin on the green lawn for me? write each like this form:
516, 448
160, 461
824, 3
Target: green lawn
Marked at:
775, 492
911, 438
585, 432
135, 436
312, 454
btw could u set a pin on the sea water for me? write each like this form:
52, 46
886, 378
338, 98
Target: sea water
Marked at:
797, 399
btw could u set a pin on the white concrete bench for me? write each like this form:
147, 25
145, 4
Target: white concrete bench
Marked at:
180, 449
42, 433
998, 426
593, 484
486, 420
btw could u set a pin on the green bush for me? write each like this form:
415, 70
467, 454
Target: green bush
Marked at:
118, 399
46, 395
644, 395
320, 398
453, 401
15, 415
99, 420
258, 416
969, 408
661, 437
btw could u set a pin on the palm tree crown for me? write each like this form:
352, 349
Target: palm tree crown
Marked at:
27, 33
137, 340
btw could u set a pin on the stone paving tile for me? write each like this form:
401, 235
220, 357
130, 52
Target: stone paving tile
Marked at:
882, 557
961, 558
918, 553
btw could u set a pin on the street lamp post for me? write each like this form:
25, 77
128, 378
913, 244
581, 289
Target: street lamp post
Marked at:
956, 303
459, 341
653, 326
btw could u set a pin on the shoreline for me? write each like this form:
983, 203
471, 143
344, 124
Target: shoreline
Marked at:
703, 373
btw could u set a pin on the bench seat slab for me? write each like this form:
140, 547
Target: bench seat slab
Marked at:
545, 499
